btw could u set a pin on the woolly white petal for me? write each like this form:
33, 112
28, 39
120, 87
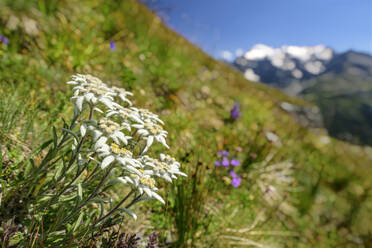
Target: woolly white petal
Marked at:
100, 142
115, 139
158, 197
150, 140
83, 130
98, 110
121, 136
147, 191
143, 132
96, 134
89, 96
122, 180
162, 141
180, 173
79, 103
107, 161
166, 177
138, 126
123, 161
133, 170
162, 156
107, 102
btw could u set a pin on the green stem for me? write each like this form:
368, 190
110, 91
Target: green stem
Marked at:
87, 200
115, 208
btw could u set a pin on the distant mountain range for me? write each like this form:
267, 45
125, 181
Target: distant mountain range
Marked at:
339, 83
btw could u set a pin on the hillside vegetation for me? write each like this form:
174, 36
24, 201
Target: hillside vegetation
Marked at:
299, 187
345, 101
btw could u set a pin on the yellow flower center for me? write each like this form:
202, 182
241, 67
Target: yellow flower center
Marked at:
120, 151
108, 125
162, 165
148, 181
154, 128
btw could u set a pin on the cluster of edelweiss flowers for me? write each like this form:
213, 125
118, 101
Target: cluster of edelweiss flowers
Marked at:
123, 134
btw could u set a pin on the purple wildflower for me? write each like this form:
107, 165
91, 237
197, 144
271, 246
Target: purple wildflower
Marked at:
223, 153
235, 111
217, 163
233, 174
112, 45
4, 40
128, 240
235, 162
236, 179
236, 182
153, 240
225, 162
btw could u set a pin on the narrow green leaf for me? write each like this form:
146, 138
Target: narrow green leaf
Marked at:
77, 223
58, 172
29, 167
80, 191
43, 146
55, 136
65, 125
129, 212
70, 132
67, 197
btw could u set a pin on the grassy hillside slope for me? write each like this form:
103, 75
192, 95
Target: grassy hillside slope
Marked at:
328, 203
345, 103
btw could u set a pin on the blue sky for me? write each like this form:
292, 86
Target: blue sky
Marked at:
218, 25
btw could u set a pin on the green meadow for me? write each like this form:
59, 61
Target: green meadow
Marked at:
299, 187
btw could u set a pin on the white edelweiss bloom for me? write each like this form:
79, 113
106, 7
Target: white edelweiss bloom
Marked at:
77, 79
89, 89
147, 116
151, 131
126, 115
173, 165
109, 129
166, 169
114, 153
143, 182
122, 94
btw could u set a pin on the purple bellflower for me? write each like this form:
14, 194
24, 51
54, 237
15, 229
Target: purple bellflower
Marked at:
225, 162
4, 40
112, 45
223, 153
235, 162
233, 174
235, 111
236, 181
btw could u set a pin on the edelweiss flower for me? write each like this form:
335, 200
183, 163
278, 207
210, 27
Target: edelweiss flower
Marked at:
125, 114
143, 182
122, 94
173, 165
167, 168
151, 131
113, 130
92, 90
114, 153
107, 129
147, 116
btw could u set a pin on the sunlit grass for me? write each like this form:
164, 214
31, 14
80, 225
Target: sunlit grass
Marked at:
193, 94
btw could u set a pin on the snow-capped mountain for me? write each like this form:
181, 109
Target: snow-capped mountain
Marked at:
339, 83
285, 65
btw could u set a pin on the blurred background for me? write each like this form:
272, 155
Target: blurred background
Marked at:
318, 50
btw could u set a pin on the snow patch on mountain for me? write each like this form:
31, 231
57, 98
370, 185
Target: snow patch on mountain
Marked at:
312, 58
250, 75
